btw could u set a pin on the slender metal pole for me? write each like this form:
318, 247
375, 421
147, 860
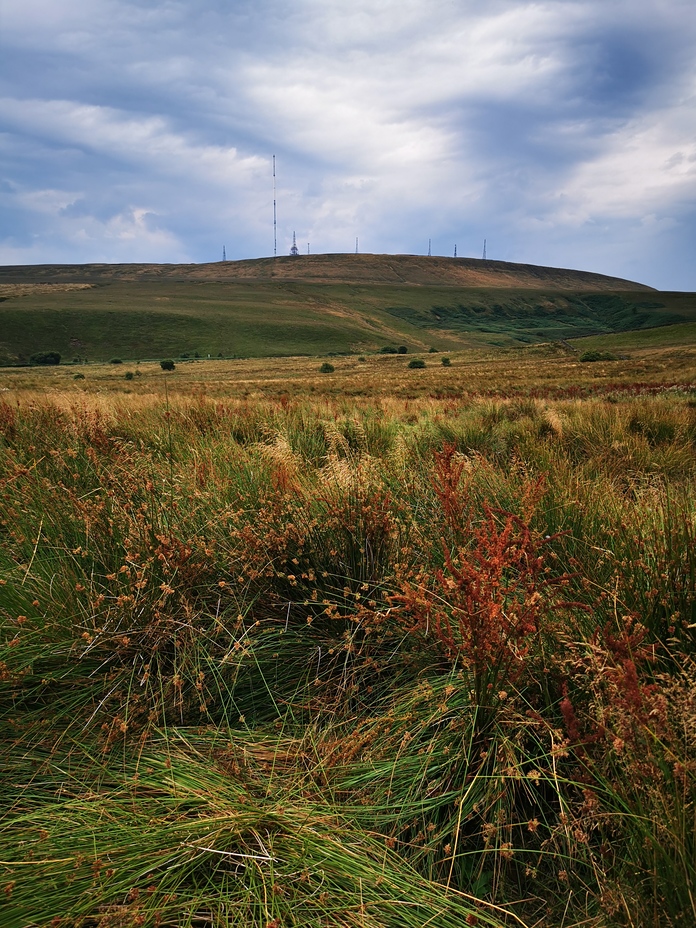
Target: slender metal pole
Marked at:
275, 232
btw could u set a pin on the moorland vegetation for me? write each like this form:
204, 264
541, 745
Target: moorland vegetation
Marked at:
388, 648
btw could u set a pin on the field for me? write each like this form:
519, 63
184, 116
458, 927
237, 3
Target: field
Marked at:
377, 647
320, 304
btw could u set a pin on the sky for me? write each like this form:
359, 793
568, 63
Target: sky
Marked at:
563, 132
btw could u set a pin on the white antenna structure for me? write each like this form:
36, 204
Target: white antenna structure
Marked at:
275, 227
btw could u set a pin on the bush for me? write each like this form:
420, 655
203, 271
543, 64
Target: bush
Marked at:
129, 375
446, 362
388, 349
402, 349
362, 358
598, 356
167, 365
416, 363
45, 357
115, 361
327, 368
79, 377
432, 350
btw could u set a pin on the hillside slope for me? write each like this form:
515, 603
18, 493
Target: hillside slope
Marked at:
357, 269
343, 304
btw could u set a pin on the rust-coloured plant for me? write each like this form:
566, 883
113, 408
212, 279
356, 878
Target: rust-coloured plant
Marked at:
486, 604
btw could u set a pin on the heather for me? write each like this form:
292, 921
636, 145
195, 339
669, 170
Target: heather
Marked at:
378, 661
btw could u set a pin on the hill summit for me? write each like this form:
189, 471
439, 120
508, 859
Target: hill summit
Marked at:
409, 270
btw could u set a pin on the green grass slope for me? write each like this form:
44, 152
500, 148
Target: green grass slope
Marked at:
256, 308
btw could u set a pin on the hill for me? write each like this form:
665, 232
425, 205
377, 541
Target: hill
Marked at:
317, 304
416, 270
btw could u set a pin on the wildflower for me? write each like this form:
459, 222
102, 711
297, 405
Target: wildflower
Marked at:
506, 850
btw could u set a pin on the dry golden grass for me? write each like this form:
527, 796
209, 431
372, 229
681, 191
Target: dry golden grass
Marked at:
544, 371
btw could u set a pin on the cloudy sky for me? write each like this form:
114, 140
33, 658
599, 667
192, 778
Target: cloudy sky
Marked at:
562, 131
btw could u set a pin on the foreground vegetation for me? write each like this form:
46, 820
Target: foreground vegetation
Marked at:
298, 659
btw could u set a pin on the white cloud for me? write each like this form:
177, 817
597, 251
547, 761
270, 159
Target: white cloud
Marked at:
151, 124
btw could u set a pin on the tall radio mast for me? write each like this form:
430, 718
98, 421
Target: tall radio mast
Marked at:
484, 249
275, 234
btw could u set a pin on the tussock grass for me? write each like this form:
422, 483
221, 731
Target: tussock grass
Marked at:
324, 662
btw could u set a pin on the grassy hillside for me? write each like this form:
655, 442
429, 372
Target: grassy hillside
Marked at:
133, 312
334, 268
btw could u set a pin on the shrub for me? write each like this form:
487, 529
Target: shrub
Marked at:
45, 357
402, 349
79, 377
388, 349
129, 375
362, 358
115, 361
446, 362
595, 355
167, 365
416, 362
432, 350
327, 368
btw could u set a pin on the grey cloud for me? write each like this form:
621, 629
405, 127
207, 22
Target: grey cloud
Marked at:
561, 129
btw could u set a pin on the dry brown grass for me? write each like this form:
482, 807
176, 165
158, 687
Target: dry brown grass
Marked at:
543, 371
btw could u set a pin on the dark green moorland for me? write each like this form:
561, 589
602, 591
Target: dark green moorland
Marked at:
313, 305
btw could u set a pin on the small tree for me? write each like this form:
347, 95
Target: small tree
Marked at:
327, 368
446, 362
416, 363
402, 349
167, 365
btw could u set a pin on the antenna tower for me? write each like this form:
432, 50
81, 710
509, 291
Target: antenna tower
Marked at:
294, 250
275, 234
356, 244
307, 247
224, 256
455, 251
429, 249
484, 249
